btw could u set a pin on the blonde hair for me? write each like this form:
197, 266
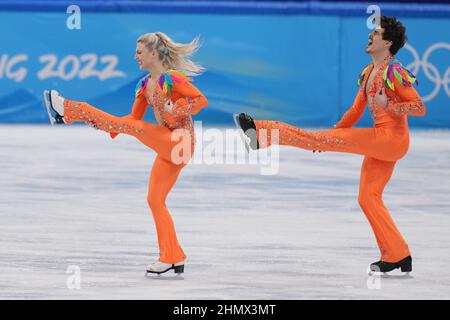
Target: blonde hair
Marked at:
173, 55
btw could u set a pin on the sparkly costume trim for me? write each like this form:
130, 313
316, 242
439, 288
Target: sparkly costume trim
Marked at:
81, 111
275, 132
407, 108
389, 70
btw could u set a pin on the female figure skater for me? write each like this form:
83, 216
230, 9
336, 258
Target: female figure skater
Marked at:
173, 100
386, 86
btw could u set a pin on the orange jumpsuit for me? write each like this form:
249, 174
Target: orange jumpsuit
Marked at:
382, 145
172, 139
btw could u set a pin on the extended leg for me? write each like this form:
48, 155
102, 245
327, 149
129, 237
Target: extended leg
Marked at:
378, 143
175, 146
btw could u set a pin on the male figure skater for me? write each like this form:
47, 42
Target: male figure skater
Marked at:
386, 86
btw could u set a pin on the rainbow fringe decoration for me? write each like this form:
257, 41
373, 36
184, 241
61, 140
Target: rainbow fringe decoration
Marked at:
166, 80
363, 74
403, 75
140, 87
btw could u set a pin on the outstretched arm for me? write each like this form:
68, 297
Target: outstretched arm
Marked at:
354, 113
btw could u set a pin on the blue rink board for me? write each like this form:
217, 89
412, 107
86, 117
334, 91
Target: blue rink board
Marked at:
299, 68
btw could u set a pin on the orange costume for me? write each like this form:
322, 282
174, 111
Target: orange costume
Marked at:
174, 147
382, 145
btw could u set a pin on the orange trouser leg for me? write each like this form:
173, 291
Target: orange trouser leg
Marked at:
176, 147
381, 148
380, 143
375, 174
163, 176
174, 151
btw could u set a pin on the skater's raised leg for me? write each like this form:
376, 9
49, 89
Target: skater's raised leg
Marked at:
161, 139
381, 143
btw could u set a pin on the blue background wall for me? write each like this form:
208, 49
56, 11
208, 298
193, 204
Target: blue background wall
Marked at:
297, 64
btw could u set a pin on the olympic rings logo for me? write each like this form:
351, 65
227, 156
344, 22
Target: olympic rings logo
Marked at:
430, 70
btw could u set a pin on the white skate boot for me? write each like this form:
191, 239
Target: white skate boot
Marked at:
54, 103
161, 267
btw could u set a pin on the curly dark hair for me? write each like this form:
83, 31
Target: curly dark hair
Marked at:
393, 31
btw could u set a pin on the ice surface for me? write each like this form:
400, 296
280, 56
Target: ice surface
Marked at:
72, 196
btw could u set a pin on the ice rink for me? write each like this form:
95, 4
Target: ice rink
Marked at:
73, 197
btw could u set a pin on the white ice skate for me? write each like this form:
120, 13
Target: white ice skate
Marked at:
161, 267
54, 103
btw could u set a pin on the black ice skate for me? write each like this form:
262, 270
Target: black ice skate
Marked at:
247, 125
54, 103
405, 265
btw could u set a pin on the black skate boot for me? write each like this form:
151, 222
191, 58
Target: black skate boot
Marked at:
247, 125
405, 265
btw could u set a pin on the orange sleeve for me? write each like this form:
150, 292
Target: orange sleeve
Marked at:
354, 113
194, 102
408, 102
137, 112
139, 107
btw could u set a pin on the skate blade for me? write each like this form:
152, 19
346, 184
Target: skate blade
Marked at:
394, 274
48, 107
244, 138
166, 277
163, 275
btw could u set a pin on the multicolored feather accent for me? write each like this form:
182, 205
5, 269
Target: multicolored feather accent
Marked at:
140, 87
363, 74
167, 80
395, 70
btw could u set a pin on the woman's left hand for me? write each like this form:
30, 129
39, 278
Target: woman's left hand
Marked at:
168, 106
381, 98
